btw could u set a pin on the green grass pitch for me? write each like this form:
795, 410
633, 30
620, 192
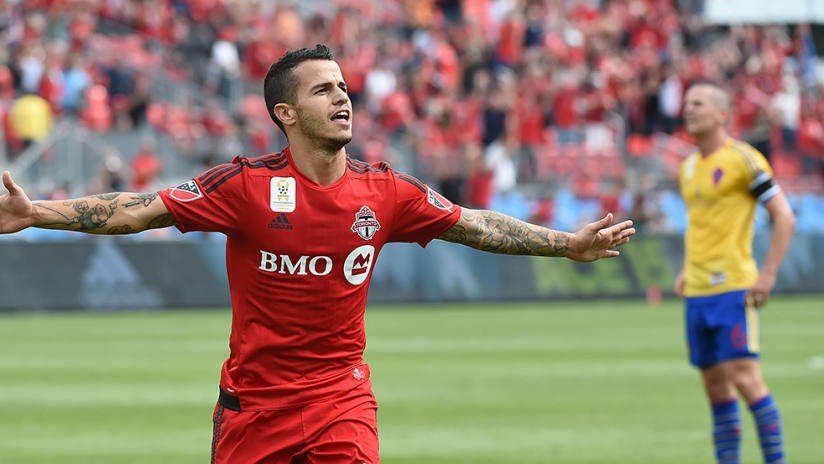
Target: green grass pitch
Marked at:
583, 382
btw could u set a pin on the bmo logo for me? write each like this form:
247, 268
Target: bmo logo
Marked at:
283, 264
358, 263
356, 267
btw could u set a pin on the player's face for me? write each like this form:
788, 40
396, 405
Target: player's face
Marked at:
323, 107
701, 114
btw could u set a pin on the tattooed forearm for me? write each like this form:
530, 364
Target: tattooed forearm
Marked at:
108, 213
121, 230
499, 233
92, 217
144, 199
83, 217
164, 220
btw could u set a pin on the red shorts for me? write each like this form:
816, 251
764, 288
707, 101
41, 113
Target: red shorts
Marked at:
341, 430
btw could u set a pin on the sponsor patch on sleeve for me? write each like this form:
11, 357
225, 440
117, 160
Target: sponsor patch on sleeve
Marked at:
186, 191
437, 200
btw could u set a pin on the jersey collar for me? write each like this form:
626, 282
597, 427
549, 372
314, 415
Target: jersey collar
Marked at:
309, 182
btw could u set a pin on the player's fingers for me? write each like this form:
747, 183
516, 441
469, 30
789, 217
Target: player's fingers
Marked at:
756, 298
617, 229
611, 253
7, 181
619, 242
602, 223
623, 225
622, 237
627, 233
13, 188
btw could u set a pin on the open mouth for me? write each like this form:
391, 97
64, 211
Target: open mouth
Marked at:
341, 116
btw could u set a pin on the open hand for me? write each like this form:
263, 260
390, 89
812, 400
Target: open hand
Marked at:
597, 240
15, 207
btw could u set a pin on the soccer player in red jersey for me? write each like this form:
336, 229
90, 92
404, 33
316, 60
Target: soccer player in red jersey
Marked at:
304, 228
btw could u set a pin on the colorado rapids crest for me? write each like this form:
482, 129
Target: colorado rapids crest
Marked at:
366, 224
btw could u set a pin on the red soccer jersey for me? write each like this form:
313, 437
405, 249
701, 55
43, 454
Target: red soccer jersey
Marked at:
299, 258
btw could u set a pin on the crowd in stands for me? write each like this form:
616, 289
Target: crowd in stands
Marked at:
550, 110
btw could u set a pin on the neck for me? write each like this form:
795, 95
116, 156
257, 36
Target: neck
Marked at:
322, 166
709, 143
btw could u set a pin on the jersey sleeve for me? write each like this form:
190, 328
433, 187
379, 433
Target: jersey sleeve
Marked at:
759, 174
211, 202
421, 213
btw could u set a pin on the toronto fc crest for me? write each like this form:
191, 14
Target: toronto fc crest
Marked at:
366, 224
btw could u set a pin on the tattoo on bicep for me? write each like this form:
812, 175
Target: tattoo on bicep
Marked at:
164, 220
144, 199
455, 234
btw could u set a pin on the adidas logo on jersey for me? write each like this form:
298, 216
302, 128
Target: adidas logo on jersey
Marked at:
280, 222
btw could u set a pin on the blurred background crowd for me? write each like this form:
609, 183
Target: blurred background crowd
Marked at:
549, 110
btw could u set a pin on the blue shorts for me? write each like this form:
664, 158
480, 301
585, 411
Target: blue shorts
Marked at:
721, 327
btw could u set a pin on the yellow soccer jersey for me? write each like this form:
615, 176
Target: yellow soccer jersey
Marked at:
720, 192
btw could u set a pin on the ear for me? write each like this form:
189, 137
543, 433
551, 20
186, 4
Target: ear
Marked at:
286, 113
726, 117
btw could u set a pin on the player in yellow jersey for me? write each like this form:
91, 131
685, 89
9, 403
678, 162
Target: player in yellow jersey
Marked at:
721, 184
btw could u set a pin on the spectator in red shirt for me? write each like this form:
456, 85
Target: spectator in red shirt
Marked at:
146, 166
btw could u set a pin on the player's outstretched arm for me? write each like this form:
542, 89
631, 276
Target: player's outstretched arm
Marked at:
498, 233
108, 213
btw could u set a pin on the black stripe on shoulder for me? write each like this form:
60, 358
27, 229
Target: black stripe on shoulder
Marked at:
412, 181
268, 162
206, 176
357, 162
219, 173
358, 170
262, 160
383, 166
362, 167
224, 179
268, 159
270, 165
